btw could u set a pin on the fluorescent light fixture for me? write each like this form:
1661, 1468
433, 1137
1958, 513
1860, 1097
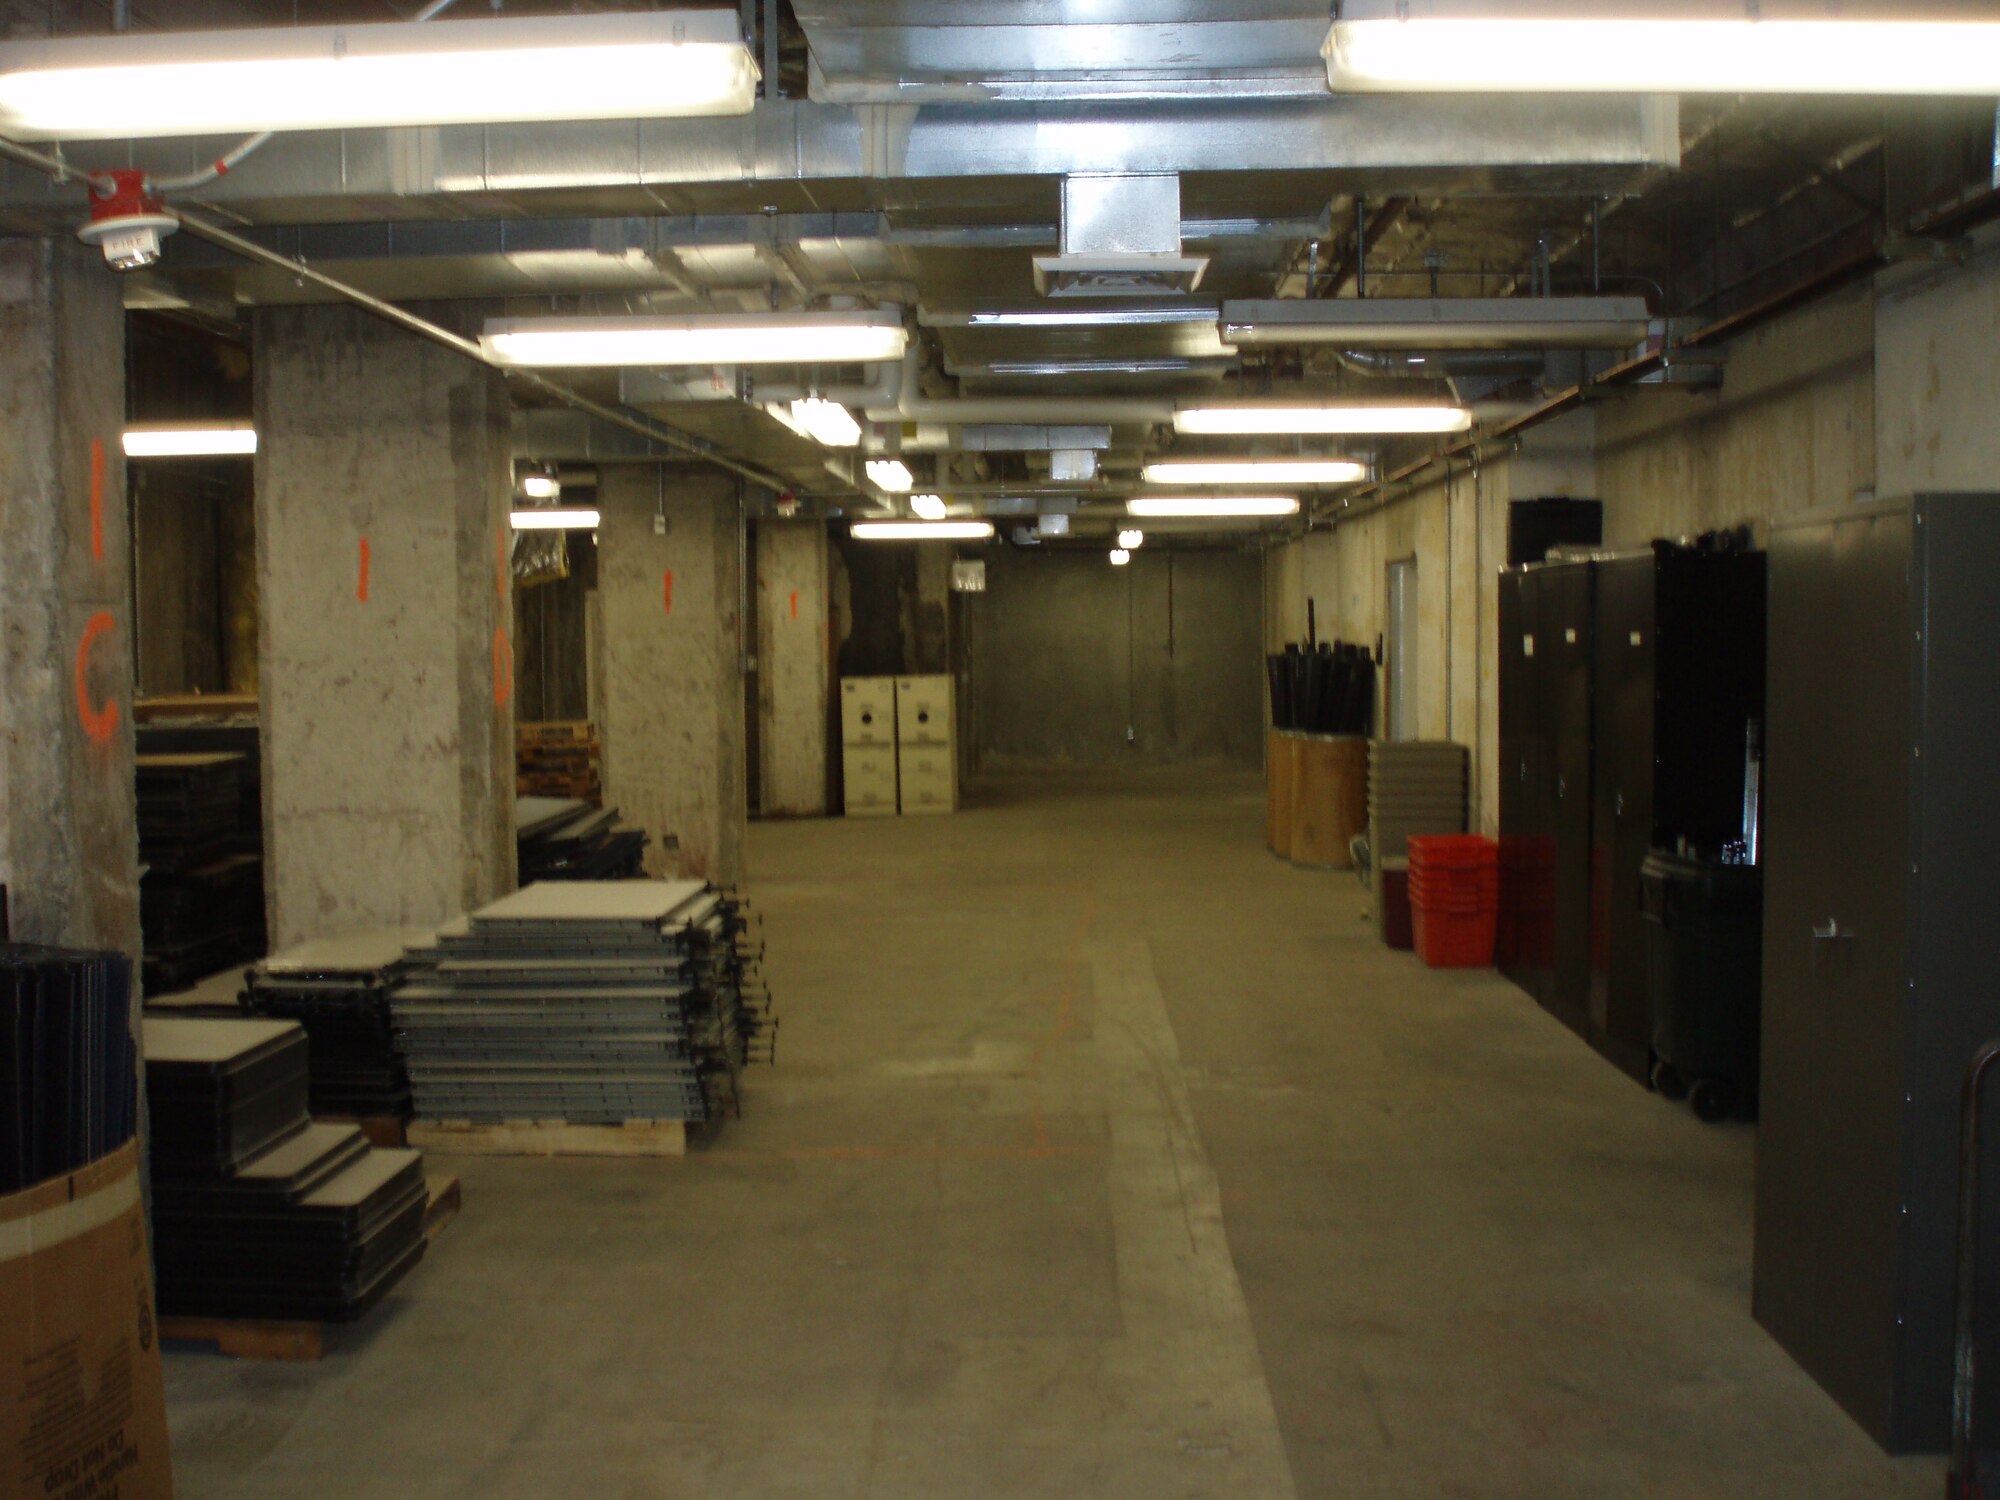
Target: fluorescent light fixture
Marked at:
801, 338
554, 518
1319, 419
1723, 51
1119, 557
929, 507
1210, 507
516, 68
1075, 317
921, 531
826, 422
541, 486
190, 440
1130, 538
890, 474
1255, 471
1439, 322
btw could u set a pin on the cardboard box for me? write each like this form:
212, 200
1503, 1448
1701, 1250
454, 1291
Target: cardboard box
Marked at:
868, 710
870, 774
924, 710
83, 1411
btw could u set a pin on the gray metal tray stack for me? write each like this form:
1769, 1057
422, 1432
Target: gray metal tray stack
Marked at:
589, 1002
1414, 787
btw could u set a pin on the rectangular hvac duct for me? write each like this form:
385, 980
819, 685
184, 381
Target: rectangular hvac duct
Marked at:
1121, 237
1440, 322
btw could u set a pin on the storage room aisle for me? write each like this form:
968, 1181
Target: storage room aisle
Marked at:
1105, 1155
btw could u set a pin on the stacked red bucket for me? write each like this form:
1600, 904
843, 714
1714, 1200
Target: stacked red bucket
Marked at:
1454, 899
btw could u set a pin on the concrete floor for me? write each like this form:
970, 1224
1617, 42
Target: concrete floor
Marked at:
1105, 1156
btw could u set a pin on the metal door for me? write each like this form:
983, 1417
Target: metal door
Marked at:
1836, 889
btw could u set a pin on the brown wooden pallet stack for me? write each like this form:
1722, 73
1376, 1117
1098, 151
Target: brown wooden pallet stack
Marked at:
558, 759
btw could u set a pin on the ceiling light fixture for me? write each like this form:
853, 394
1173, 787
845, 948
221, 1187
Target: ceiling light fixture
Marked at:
929, 507
515, 68
800, 338
921, 531
1131, 538
890, 474
826, 422
541, 486
1255, 471
555, 518
1075, 317
1320, 419
190, 440
1727, 51
1210, 507
1439, 322
1119, 557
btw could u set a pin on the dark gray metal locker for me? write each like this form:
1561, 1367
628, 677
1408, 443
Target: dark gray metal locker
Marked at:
1881, 942
1569, 621
1621, 1013
1527, 836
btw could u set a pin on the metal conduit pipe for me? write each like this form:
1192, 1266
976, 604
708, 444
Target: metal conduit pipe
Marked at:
1438, 366
913, 406
882, 388
631, 421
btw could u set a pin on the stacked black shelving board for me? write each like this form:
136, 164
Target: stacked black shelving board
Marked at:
565, 838
338, 988
259, 1211
201, 898
68, 1066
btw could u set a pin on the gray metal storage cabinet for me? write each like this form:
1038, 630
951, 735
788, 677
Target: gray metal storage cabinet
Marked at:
1881, 943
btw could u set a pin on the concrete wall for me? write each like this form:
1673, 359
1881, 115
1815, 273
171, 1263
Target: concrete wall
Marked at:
673, 710
388, 713
1063, 652
68, 825
793, 667
1937, 384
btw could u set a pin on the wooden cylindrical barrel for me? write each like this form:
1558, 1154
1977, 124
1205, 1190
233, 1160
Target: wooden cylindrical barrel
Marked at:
1279, 757
1329, 798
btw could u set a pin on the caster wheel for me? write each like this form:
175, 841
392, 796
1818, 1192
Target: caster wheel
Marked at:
1713, 1099
1668, 1082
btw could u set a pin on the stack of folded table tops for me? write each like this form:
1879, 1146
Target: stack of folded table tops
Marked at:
258, 1210
584, 1002
68, 1069
566, 838
201, 899
338, 989
1414, 787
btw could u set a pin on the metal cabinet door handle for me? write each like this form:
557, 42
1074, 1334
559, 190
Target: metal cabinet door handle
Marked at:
1830, 931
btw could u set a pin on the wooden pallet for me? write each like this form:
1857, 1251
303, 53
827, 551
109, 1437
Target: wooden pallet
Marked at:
381, 1130
550, 1138
280, 1340
556, 732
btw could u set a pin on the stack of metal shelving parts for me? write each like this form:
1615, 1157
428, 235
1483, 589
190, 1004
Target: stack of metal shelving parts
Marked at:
68, 1067
338, 989
1414, 787
259, 1211
201, 899
588, 1002
565, 838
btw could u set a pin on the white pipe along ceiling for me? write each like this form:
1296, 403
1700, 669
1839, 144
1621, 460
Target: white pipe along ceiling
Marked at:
1079, 219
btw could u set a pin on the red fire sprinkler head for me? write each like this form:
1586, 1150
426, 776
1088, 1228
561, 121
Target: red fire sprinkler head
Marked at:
127, 219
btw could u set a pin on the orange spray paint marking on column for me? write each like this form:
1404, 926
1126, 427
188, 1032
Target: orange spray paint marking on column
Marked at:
361, 584
795, 604
667, 591
97, 499
503, 667
100, 724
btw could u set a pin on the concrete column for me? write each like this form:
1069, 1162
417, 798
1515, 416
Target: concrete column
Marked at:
673, 680
69, 843
383, 483
793, 667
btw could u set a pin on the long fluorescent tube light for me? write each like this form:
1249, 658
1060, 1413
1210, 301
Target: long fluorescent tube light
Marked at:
928, 507
554, 518
190, 440
1074, 317
802, 338
1723, 52
1210, 507
826, 422
890, 474
1120, 556
516, 68
1439, 322
1319, 419
921, 531
1255, 471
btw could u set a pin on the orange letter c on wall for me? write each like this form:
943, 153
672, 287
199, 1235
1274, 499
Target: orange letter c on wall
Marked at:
98, 723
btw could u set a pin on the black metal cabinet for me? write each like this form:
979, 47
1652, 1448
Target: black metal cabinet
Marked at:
1569, 619
1526, 942
1881, 944
1622, 823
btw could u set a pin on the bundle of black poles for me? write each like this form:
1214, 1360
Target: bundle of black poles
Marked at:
1328, 688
